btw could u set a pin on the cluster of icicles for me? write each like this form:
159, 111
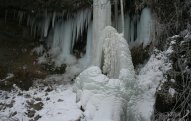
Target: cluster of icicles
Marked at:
63, 31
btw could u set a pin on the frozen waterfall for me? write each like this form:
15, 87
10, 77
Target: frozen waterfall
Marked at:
101, 19
117, 56
66, 32
137, 28
107, 80
102, 98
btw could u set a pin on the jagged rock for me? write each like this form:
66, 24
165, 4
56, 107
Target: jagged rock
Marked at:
10, 105
40, 5
31, 113
30, 102
38, 99
60, 100
47, 98
49, 89
38, 106
13, 114
27, 96
164, 102
37, 117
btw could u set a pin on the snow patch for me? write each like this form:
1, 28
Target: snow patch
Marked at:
58, 104
172, 92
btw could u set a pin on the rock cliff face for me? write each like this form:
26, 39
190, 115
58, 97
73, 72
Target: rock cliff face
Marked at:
172, 98
37, 5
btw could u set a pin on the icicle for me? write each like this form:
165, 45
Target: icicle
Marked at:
127, 28
119, 27
53, 19
122, 17
56, 36
116, 13
132, 32
66, 38
89, 41
74, 34
86, 60
138, 33
20, 15
46, 24
81, 22
66, 32
145, 26
28, 20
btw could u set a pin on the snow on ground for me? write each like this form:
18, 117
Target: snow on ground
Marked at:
102, 99
45, 103
61, 107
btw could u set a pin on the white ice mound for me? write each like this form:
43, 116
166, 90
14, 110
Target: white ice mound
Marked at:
103, 99
117, 57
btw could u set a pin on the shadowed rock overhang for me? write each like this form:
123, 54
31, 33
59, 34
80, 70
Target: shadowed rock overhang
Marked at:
50, 5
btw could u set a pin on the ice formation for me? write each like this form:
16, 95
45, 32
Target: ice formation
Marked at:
105, 99
137, 29
62, 41
54, 26
140, 107
65, 32
101, 19
145, 26
86, 60
122, 17
61, 31
117, 56
46, 24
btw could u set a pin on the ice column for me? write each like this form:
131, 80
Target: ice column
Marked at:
117, 57
101, 19
145, 26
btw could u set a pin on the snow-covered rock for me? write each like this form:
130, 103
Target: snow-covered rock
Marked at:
148, 79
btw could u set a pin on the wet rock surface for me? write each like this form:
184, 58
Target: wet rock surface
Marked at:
41, 5
16, 58
141, 54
